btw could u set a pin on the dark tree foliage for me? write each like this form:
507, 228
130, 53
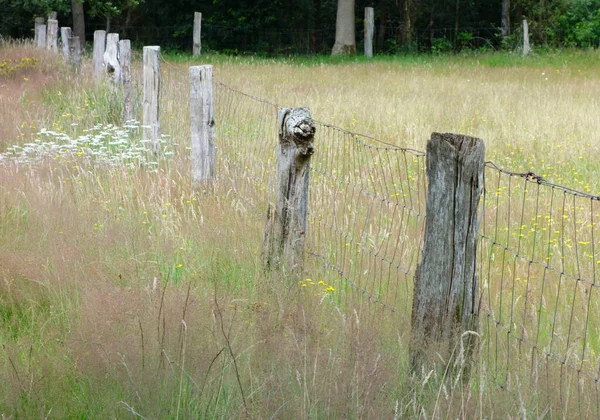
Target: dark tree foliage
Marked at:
308, 26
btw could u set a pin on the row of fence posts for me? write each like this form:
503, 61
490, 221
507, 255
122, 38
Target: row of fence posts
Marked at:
46, 37
445, 301
446, 298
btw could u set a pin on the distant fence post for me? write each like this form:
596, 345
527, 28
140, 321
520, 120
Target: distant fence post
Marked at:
39, 21
98, 57
111, 60
65, 39
150, 119
202, 126
52, 35
53, 15
75, 52
126, 79
286, 222
41, 36
526, 46
369, 31
446, 293
197, 33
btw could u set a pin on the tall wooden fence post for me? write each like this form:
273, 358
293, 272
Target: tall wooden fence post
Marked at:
111, 60
150, 119
41, 36
52, 35
98, 57
286, 221
65, 39
39, 21
369, 31
197, 33
126, 79
526, 46
446, 293
202, 126
75, 52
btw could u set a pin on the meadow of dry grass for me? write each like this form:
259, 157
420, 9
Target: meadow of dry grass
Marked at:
123, 292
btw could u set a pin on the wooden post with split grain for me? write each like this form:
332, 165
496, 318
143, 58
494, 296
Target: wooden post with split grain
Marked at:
65, 39
526, 46
40, 34
126, 79
202, 126
75, 52
39, 21
150, 119
52, 35
98, 55
446, 293
197, 48
283, 245
369, 31
112, 67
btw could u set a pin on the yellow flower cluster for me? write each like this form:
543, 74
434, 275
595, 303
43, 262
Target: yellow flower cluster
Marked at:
8, 67
324, 286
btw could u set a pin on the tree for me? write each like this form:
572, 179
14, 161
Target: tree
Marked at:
78, 21
505, 19
345, 40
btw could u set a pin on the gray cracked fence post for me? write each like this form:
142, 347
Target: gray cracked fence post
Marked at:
285, 230
202, 126
98, 54
150, 116
126, 79
52, 36
197, 47
446, 293
369, 31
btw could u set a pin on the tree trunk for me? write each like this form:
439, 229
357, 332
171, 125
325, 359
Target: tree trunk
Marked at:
456, 21
78, 21
505, 20
406, 23
345, 41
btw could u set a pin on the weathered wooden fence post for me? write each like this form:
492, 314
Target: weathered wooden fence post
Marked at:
526, 46
75, 52
65, 38
150, 119
126, 79
98, 57
52, 35
38, 22
197, 33
369, 31
41, 36
53, 15
202, 126
286, 220
446, 293
111, 60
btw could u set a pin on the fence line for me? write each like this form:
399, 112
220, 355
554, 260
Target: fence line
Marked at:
537, 244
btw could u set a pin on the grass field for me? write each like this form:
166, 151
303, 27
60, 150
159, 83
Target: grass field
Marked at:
125, 293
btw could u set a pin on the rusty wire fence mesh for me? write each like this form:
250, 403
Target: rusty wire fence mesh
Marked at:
538, 248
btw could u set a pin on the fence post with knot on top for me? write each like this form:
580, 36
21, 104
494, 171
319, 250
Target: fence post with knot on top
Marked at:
112, 66
286, 219
446, 293
150, 106
202, 126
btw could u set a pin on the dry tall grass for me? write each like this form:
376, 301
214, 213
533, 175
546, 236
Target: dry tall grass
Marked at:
125, 292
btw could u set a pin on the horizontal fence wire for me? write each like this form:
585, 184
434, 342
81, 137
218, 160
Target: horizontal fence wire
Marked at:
538, 248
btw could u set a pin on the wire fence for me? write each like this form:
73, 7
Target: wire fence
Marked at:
538, 250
